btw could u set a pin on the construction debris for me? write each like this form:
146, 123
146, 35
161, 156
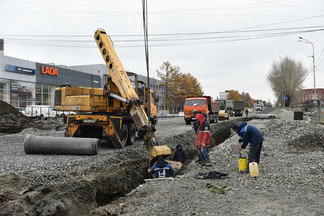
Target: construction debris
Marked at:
211, 175
217, 189
13, 121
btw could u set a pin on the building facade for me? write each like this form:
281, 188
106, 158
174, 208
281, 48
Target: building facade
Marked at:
24, 83
308, 94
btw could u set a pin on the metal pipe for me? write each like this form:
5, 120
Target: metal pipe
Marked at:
118, 98
60, 145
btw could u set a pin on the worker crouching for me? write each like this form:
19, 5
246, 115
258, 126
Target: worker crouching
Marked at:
203, 139
162, 169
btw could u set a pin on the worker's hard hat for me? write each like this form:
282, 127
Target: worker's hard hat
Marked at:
194, 111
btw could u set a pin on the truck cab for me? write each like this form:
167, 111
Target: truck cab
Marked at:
204, 104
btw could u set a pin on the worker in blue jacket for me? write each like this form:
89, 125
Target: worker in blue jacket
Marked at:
162, 169
250, 134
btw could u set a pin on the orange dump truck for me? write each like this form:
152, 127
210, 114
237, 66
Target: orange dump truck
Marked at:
205, 104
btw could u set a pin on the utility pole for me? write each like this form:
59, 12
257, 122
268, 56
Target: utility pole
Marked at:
307, 41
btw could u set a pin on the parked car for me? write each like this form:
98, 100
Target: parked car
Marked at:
40, 111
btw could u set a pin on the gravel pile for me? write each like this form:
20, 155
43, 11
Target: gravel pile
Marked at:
299, 134
290, 182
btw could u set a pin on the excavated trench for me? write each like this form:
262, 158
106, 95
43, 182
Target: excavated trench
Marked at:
96, 188
220, 132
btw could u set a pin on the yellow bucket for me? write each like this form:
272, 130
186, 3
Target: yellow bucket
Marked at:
242, 163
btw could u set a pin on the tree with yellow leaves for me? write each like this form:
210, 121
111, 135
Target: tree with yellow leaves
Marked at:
234, 95
178, 85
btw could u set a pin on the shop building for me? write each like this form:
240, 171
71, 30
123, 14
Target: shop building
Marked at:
24, 83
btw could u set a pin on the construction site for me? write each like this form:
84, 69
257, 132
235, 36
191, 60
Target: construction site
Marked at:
98, 145
113, 181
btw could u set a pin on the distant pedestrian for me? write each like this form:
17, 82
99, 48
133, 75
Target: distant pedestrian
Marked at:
162, 169
246, 112
180, 154
203, 139
250, 134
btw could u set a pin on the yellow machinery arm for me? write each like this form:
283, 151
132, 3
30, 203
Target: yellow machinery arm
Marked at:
118, 76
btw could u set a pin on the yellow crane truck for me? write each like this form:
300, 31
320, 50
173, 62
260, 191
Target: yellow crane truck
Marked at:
115, 112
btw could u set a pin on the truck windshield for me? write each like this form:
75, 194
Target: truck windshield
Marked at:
222, 105
197, 102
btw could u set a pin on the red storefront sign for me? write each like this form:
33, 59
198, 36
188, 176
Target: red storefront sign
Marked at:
49, 70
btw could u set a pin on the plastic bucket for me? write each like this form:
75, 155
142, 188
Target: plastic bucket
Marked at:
242, 163
254, 169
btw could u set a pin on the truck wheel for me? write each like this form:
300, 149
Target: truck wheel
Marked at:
41, 117
64, 119
153, 121
210, 119
124, 135
131, 134
188, 122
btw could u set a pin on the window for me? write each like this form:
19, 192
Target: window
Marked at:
196, 102
21, 93
4, 90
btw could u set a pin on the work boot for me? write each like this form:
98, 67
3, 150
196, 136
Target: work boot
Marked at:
207, 162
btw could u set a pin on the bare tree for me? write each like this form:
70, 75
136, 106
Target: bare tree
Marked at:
286, 79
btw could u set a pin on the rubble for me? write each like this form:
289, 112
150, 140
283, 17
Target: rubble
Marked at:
13, 121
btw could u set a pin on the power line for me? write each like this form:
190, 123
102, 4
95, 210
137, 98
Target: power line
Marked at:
171, 34
165, 42
288, 5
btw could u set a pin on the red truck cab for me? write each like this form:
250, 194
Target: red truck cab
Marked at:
204, 104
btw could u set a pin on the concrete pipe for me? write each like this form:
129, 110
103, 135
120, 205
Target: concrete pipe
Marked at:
60, 145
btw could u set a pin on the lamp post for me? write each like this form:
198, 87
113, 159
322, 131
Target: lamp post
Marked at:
306, 41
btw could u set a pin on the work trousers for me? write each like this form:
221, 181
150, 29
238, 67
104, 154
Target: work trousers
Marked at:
204, 153
254, 153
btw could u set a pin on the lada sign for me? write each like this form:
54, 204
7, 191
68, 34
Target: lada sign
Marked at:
52, 71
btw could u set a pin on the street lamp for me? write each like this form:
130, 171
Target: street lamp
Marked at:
306, 41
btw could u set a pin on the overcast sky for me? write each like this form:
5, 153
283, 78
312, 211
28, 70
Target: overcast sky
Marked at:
229, 44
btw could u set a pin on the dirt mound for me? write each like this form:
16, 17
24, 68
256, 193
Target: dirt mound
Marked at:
313, 141
13, 121
299, 134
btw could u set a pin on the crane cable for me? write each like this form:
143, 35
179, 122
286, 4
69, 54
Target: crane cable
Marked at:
145, 28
